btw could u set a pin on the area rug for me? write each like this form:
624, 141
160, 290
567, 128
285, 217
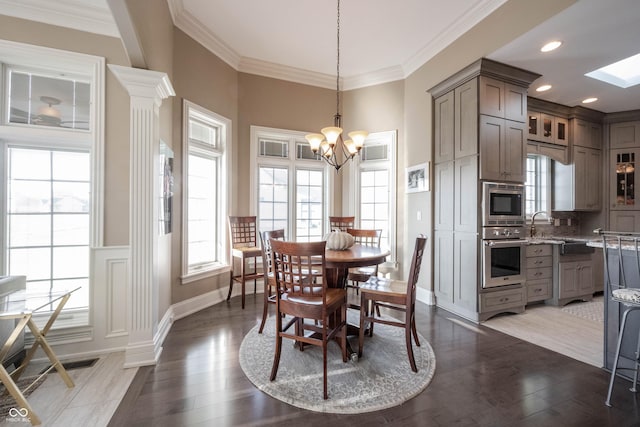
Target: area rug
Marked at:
381, 379
27, 385
592, 310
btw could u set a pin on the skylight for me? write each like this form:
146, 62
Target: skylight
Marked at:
624, 73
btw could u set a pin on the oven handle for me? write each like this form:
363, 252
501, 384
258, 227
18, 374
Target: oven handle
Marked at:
505, 243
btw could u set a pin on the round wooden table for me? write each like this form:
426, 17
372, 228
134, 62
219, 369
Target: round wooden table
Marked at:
338, 263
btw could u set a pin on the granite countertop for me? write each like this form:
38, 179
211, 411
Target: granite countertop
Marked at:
558, 240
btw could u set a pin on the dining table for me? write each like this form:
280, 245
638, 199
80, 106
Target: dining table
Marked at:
338, 262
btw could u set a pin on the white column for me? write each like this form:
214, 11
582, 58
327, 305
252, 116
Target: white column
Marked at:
147, 89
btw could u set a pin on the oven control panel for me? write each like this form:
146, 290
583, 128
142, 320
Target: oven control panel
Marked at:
496, 233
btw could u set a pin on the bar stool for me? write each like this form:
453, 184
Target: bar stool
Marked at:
628, 298
244, 235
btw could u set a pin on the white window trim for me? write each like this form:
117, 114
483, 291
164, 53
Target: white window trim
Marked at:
37, 57
353, 194
225, 147
290, 162
549, 195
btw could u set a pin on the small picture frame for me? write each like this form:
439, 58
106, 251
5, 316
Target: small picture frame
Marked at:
417, 178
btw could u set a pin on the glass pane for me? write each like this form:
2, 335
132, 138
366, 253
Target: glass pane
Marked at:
265, 192
367, 194
280, 194
265, 175
80, 298
70, 197
70, 262
35, 263
71, 166
71, 229
30, 164
29, 230
29, 196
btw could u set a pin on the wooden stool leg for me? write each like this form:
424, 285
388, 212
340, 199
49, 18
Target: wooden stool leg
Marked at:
230, 280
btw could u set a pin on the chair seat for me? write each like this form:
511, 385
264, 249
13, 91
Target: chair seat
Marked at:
626, 296
334, 295
246, 251
381, 286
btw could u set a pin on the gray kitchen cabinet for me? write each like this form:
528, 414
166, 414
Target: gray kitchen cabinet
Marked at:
443, 127
577, 186
559, 153
443, 186
466, 119
511, 300
543, 127
572, 279
466, 194
539, 263
465, 271
621, 220
502, 99
585, 133
624, 179
443, 267
502, 150
624, 134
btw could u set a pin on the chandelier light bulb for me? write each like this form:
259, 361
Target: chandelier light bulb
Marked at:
331, 133
315, 139
358, 137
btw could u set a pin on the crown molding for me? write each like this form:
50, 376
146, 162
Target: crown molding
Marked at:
386, 75
196, 30
283, 72
473, 16
76, 14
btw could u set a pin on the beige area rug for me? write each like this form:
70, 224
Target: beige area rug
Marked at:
381, 379
574, 330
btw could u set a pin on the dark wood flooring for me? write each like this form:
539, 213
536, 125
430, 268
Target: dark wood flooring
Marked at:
483, 378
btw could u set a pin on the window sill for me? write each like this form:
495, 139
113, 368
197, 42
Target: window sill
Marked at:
204, 273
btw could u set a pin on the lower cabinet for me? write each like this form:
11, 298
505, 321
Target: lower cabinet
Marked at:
539, 259
573, 279
510, 300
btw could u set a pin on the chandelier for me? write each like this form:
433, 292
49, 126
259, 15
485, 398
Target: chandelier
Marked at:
329, 144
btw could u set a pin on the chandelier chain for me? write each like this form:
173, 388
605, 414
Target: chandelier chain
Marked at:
338, 62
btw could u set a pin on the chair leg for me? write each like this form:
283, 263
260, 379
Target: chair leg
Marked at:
634, 387
265, 309
276, 357
413, 329
324, 366
407, 336
343, 333
615, 361
230, 281
242, 284
363, 309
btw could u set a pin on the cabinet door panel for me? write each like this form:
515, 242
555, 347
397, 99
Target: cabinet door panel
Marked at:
444, 127
625, 221
515, 103
466, 194
513, 151
466, 119
624, 179
443, 195
465, 275
568, 279
492, 97
491, 139
625, 134
443, 264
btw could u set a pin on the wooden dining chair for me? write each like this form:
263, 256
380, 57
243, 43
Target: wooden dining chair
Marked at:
362, 274
299, 272
243, 235
269, 280
396, 295
341, 222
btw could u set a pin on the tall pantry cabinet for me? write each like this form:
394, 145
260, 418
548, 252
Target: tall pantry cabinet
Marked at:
479, 134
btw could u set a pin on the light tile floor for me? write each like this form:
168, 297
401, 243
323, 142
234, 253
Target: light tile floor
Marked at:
97, 393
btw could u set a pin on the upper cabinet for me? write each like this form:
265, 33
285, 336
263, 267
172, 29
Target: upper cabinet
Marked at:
443, 128
502, 99
586, 134
625, 134
502, 150
547, 128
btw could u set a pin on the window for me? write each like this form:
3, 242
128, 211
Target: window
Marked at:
205, 138
376, 174
51, 139
290, 184
537, 186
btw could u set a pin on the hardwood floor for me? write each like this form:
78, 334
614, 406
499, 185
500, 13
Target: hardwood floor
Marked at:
483, 378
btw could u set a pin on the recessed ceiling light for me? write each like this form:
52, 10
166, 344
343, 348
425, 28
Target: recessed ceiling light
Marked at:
551, 46
543, 88
589, 100
624, 73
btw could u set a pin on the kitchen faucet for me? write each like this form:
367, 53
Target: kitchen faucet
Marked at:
532, 230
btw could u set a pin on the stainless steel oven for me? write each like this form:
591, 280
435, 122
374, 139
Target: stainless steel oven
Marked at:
502, 204
503, 256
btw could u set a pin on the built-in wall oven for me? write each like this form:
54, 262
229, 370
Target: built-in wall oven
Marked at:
503, 255
503, 242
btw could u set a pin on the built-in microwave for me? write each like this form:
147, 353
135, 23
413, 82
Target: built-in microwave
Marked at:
502, 204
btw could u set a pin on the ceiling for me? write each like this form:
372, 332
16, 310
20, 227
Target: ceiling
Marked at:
380, 42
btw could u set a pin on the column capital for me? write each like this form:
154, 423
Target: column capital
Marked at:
143, 83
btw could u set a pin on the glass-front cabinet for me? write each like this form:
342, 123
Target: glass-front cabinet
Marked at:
625, 180
547, 128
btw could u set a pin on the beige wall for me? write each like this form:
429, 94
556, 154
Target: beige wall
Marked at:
202, 78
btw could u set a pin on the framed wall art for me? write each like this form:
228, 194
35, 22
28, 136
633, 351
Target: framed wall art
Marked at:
417, 178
